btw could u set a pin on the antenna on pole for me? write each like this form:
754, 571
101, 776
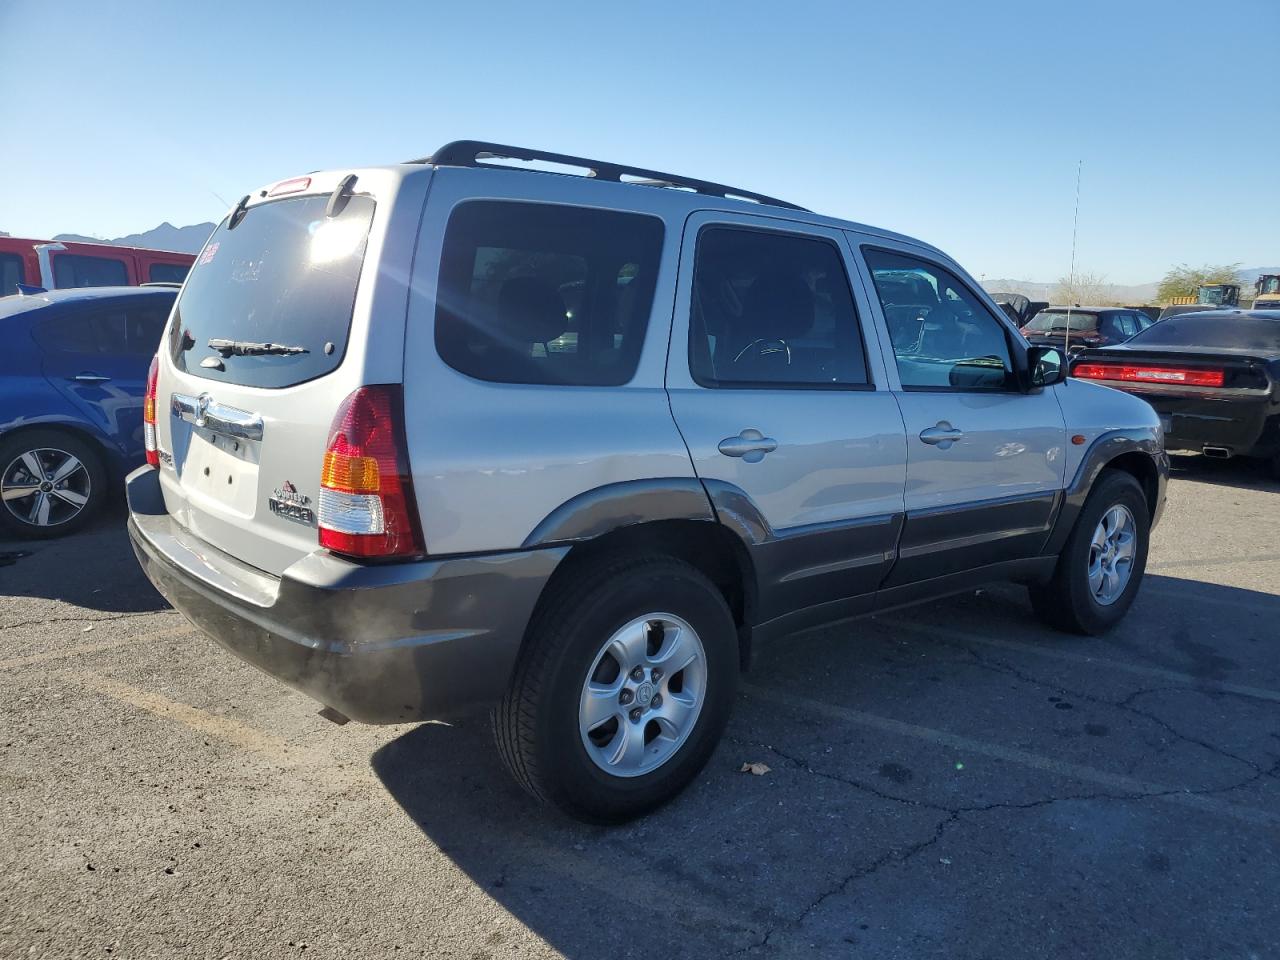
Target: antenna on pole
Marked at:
1071, 275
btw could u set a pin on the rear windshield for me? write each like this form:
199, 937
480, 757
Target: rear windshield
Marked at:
1224, 331
1047, 321
285, 275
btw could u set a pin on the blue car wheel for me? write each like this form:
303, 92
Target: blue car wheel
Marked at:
51, 483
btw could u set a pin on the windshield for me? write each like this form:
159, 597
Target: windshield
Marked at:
1054, 321
286, 276
1232, 332
1214, 295
1268, 285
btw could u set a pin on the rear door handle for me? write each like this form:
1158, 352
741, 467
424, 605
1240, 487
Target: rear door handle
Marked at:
942, 436
90, 378
751, 445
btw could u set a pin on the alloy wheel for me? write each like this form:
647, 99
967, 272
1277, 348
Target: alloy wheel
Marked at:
1111, 554
45, 487
642, 695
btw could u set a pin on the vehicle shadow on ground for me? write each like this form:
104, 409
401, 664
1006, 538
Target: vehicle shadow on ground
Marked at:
738, 861
94, 569
1236, 472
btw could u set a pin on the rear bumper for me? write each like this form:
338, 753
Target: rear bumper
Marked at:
1245, 426
433, 639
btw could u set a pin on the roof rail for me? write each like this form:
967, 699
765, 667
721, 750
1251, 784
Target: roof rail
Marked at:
470, 153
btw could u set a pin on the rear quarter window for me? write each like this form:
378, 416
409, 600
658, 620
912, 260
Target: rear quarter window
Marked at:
545, 293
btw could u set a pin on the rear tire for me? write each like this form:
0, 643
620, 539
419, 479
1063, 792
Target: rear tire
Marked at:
1102, 565
577, 728
52, 484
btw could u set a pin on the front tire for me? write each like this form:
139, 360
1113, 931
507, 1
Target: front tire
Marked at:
622, 690
1102, 565
51, 484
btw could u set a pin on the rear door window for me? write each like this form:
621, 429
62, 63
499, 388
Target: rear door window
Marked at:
772, 309
85, 331
545, 293
167, 272
77, 270
10, 273
285, 275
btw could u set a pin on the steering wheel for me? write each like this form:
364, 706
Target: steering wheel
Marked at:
761, 347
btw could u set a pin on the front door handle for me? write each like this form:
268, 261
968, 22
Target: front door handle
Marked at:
941, 436
751, 445
90, 378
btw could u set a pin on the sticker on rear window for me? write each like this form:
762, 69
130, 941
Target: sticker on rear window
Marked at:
209, 252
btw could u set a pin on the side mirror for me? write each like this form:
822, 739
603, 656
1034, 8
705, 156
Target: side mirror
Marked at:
1047, 366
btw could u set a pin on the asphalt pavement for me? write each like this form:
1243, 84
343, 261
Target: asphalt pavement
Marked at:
950, 781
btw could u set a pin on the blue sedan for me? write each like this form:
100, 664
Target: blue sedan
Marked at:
73, 375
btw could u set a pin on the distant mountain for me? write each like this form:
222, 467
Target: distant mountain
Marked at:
168, 237
1137, 293
164, 237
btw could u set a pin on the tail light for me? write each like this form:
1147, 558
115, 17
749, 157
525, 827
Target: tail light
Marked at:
149, 414
1179, 376
366, 496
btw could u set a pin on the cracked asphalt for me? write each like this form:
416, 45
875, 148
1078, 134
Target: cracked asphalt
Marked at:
948, 781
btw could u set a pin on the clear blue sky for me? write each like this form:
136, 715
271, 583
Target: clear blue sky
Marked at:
958, 122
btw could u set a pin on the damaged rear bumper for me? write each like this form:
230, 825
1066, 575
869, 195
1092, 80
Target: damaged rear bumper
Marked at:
394, 643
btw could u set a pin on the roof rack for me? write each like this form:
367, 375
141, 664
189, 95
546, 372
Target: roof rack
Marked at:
470, 153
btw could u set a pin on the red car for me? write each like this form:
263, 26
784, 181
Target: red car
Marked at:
56, 264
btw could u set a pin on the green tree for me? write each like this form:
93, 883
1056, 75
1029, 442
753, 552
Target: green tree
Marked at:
1184, 280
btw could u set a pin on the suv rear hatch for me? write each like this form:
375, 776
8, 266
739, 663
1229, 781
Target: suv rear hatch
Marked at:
295, 301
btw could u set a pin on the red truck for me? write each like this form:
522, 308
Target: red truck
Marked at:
55, 264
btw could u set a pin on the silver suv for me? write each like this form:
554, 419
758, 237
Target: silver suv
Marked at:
449, 435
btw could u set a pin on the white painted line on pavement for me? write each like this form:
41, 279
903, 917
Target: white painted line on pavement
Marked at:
84, 649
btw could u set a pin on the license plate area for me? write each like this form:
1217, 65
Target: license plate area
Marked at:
220, 470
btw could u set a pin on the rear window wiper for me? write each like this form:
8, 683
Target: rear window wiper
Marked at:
247, 348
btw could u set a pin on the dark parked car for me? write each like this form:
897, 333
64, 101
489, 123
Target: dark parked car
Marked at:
1213, 376
1089, 326
73, 374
